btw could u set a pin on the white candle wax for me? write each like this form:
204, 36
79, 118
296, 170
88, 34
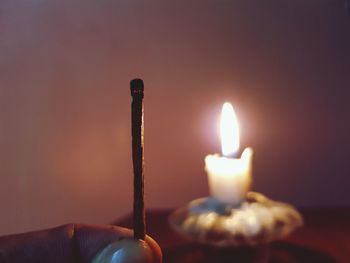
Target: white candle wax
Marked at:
229, 178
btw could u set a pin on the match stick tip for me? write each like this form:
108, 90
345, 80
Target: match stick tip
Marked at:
136, 87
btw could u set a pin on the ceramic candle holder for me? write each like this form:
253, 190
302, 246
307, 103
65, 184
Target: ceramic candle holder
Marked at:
258, 220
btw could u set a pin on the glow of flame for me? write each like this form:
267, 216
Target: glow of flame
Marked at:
229, 130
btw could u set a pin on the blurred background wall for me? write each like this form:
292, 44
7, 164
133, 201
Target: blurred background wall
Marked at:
65, 67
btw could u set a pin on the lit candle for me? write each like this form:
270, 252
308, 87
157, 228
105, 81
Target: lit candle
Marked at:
229, 178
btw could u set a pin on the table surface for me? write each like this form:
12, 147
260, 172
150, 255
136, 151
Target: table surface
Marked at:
325, 237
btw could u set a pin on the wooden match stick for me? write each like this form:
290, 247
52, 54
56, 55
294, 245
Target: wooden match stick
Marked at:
136, 87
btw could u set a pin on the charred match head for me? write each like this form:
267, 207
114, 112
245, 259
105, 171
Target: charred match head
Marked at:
136, 87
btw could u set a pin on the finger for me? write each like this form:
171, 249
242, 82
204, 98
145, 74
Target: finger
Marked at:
68, 244
53, 245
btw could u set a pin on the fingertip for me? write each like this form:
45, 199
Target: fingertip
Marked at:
92, 239
155, 248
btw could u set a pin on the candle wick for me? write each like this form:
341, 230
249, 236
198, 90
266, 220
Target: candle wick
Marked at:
136, 87
232, 155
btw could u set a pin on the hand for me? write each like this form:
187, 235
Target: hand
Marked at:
65, 244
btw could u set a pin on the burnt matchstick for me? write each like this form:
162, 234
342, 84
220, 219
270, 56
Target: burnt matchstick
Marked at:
136, 87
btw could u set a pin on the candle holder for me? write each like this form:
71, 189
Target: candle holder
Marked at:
257, 220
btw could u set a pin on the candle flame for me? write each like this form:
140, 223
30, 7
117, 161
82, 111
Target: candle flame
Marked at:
229, 130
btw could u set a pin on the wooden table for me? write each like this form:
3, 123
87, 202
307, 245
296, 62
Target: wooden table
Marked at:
324, 238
